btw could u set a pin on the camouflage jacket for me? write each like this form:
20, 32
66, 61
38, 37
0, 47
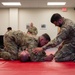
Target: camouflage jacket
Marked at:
18, 40
66, 34
33, 30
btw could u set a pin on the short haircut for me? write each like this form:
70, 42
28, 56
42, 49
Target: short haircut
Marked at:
9, 28
55, 17
47, 37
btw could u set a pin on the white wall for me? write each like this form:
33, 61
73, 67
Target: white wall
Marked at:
38, 17
13, 18
19, 18
4, 20
8, 17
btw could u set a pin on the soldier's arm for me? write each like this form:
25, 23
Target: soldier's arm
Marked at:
36, 31
60, 37
32, 43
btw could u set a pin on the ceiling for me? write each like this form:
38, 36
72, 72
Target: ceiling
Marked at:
38, 3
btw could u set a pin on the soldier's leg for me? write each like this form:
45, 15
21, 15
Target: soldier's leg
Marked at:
5, 55
59, 48
65, 54
70, 57
1, 50
49, 57
10, 46
56, 52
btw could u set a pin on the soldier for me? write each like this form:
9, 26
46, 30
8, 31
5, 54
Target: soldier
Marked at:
32, 29
66, 36
17, 41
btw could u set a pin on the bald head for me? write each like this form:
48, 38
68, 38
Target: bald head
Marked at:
24, 56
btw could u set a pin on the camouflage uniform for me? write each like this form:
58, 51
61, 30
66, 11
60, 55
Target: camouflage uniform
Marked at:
17, 41
66, 35
33, 30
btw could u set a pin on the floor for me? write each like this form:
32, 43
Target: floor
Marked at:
37, 68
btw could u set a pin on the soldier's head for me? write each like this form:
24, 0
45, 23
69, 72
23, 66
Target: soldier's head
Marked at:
31, 24
9, 28
57, 19
24, 56
43, 39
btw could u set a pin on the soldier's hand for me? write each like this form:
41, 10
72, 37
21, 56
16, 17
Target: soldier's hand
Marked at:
37, 50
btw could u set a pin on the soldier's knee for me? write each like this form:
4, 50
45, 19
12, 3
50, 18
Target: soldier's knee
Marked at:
57, 59
6, 55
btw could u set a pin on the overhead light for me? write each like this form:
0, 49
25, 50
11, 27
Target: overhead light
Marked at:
11, 3
56, 3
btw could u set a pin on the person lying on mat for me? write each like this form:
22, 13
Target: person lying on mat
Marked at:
17, 41
66, 35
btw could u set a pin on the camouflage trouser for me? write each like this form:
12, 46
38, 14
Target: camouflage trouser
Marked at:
8, 56
66, 53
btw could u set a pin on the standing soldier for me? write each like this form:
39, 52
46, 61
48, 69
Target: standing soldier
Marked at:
32, 29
